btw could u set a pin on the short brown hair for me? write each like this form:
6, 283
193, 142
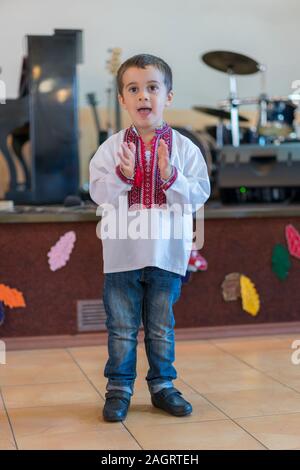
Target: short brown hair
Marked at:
142, 61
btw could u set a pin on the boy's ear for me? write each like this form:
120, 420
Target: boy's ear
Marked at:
169, 99
121, 101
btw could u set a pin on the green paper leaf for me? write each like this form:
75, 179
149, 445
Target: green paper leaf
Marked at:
281, 261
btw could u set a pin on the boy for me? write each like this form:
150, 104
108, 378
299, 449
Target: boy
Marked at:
152, 167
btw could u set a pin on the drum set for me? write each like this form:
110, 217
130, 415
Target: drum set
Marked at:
275, 122
276, 115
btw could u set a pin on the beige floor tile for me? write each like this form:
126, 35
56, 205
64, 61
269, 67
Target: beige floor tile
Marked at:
266, 361
54, 404
293, 384
91, 360
288, 375
209, 435
244, 403
288, 339
141, 391
142, 411
39, 367
99, 381
5, 429
49, 394
7, 444
103, 439
51, 353
275, 432
201, 348
141, 408
207, 363
53, 420
88, 351
227, 380
257, 344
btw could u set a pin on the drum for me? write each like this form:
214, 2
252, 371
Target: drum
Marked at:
280, 120
206, 144
247, 134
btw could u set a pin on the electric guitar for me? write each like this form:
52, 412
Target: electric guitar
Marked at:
102, 134
113, 65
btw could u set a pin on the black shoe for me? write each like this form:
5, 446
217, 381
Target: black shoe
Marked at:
116, 405
170, 400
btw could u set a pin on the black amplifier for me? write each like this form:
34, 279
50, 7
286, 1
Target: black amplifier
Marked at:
255, 173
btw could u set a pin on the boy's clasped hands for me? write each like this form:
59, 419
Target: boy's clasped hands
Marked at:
127, 159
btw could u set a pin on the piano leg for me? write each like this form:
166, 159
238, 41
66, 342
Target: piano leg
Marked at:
17, 144
10, 162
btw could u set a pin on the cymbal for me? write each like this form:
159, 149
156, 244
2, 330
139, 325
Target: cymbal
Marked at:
227, 61
220, 113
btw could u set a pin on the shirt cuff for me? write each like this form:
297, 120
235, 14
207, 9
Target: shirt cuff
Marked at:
122, 176
166, 184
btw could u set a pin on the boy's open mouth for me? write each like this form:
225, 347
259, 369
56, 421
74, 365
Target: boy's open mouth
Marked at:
144, 111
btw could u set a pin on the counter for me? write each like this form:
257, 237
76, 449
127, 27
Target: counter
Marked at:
237, 239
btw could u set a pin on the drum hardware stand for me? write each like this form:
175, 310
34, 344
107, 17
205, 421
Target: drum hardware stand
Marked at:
234, 112
220, 134
263, 97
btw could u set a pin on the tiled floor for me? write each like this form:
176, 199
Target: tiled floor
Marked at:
245, 394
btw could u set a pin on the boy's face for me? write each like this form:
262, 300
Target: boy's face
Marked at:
145, 96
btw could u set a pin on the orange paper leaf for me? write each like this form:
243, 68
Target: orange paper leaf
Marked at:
11, 297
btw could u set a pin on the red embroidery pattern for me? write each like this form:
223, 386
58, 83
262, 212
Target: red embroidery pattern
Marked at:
149, 192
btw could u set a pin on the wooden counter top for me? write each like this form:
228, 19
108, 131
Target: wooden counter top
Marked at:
87, 212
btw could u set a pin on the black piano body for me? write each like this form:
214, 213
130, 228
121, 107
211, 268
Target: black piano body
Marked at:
46, 113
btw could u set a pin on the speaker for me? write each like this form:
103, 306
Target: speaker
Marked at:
254, 173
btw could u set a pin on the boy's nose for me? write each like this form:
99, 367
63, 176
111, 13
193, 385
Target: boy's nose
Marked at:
143, 96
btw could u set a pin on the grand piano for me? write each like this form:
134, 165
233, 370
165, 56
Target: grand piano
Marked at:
45, 113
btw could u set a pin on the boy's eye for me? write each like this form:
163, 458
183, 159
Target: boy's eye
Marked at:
153, 87
133, 89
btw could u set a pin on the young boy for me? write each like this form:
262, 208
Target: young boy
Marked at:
152, 167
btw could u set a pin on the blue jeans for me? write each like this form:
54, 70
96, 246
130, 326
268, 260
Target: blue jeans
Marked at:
143, 295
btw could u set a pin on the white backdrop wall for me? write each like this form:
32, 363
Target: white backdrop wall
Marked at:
179, 31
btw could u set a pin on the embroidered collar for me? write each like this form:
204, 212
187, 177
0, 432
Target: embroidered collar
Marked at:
159, 131
131, 135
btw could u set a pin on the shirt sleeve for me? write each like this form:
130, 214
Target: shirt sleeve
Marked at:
189, 188
107, 182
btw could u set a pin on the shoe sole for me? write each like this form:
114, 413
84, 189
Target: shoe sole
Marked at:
178, 414
113, 420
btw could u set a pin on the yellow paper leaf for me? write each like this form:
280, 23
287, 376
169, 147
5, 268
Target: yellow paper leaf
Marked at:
250, 297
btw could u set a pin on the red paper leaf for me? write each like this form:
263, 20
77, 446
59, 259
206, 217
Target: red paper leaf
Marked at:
293, 240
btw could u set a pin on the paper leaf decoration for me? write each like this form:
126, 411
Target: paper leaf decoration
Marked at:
250, 298
293, 240
281, 261
60, 253
231, 289
11, 297
2, 313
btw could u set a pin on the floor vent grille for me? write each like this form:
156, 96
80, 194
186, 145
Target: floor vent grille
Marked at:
91, 315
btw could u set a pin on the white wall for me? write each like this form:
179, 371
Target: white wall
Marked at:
177, 30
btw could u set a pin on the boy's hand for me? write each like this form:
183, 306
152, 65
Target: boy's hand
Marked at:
127, 159
164, 165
